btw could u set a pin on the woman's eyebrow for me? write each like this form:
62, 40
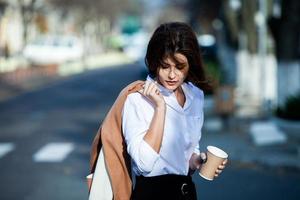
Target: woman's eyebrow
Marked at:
165, 64
181, 63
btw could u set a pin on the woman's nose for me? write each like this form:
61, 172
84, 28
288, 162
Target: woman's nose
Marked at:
172, 73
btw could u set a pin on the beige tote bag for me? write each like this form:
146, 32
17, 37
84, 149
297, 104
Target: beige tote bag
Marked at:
101, 186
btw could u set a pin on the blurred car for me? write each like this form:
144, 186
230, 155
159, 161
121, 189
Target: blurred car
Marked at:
53, 50
135, 45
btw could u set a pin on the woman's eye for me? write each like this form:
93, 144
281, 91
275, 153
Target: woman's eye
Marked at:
180, 67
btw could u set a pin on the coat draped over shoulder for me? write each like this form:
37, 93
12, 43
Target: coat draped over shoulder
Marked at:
110, 138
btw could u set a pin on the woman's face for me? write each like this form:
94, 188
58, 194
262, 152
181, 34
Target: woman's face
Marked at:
172, 75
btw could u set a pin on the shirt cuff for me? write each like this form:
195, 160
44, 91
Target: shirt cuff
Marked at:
196, 151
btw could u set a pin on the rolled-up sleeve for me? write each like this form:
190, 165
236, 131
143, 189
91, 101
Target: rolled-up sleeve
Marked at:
134, 128
197, 149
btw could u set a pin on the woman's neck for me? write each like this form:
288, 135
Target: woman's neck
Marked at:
179, 94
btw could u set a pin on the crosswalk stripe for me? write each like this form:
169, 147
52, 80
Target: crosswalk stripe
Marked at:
53, 152
265, 133
5, 148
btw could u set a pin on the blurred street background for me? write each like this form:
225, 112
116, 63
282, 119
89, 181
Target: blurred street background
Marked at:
63, 63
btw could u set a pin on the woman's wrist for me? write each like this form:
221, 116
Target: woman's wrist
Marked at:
161, 106
195, 162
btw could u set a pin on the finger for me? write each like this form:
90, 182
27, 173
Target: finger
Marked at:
156, 89
225, 162
218, 171
142, 89
221, 167
156, 83
216, 175
157, 92
203, 157
146, 87
151, 90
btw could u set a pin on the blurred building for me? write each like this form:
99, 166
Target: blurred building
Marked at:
22, 21
258, 46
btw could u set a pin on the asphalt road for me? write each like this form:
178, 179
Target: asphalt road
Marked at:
67, 114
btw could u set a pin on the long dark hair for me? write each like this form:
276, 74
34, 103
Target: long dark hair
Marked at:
171, 38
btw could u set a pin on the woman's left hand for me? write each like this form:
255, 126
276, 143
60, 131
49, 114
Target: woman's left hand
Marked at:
220, 168
197, 160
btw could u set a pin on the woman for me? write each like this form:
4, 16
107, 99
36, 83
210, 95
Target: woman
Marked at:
162, 122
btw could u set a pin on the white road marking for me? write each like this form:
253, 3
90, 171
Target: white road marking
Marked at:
214, 124
265, 133
5, 148
53, 152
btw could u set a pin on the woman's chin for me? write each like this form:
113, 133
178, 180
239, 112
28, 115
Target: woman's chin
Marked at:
171, 87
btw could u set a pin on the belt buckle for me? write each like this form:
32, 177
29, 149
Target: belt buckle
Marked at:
184, 188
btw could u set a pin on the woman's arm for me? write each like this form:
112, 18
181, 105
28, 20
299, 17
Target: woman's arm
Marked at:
155, 132
144, 139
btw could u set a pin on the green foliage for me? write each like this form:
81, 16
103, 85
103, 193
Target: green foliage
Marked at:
114, 42
213, 70
213, 73
291, 109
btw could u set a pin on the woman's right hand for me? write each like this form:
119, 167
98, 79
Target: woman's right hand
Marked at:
151, 91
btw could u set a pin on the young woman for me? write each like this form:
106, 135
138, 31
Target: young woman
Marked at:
162, 122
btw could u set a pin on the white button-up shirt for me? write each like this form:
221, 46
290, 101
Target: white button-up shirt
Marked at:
182, 131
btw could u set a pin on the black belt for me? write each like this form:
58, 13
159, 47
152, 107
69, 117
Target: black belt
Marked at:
168, 186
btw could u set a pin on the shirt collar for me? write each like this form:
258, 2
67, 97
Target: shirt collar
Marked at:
164, 91
188, 92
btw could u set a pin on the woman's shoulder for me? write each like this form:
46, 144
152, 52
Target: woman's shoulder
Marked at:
197, 92
137, 98
198, 95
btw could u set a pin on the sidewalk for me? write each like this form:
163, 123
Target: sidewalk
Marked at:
242, 146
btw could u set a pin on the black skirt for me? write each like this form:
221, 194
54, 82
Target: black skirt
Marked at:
164, 187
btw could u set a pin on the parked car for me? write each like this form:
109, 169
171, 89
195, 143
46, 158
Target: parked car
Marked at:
135, 45
53, 50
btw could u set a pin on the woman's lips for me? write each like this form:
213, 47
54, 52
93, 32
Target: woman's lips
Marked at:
171, 82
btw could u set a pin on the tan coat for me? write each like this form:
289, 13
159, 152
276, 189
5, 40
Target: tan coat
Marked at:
110, 138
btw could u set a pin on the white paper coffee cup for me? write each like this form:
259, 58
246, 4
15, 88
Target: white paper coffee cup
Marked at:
215, 157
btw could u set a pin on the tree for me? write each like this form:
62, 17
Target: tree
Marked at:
27, 12
286, 31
